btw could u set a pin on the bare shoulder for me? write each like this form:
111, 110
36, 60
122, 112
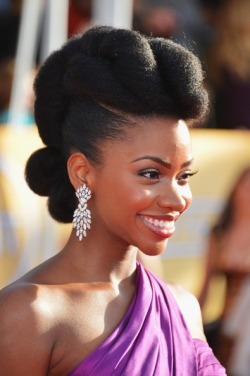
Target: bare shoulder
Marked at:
24, 329
190, 310
16, 302
22, 298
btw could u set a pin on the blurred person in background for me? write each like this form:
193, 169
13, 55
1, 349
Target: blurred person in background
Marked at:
79, 16
228, 65
9, 26
7, 67
240, 357
180, 20
158, 20
228, 253
9, 29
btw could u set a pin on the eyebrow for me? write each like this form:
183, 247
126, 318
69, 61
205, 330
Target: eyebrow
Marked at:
161, 161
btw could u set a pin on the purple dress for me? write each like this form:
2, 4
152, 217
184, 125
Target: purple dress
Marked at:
152, 339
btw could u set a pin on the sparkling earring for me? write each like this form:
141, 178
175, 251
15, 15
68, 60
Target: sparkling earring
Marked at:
82, 215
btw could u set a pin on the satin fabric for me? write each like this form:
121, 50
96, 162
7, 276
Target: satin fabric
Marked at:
152, 339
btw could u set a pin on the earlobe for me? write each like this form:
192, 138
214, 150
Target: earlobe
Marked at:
78, 169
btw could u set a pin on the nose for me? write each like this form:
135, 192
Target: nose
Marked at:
175, 197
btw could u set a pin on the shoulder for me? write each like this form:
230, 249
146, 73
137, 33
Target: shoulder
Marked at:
24, 328
21, 296
17, 297
190, 309
27, 302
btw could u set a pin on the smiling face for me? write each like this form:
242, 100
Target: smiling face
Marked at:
142, 186
241, 197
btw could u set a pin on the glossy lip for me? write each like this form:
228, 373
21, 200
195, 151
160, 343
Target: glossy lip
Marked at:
166, 232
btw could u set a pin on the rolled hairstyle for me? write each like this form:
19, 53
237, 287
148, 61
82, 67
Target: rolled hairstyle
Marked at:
89, 90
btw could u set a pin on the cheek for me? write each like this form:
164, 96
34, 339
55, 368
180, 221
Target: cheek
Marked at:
137, 199
141, 194
124, 198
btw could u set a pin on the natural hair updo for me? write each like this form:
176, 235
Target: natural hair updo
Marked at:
86, 92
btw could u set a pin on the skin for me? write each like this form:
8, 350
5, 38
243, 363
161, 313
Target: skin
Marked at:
232, 253
59, 312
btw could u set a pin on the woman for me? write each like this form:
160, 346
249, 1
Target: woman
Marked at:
228, 254
228, 65
112, 108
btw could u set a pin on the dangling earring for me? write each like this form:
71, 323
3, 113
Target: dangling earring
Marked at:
82, 215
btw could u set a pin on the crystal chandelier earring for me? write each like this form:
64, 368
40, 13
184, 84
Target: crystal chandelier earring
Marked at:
82, 215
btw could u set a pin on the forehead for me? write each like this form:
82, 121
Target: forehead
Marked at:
156, 136
163, 130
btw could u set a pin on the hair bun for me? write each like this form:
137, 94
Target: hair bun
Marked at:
44, 167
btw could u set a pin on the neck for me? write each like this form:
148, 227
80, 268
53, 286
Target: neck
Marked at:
90, 262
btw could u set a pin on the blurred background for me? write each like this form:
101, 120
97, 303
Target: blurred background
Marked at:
218, 32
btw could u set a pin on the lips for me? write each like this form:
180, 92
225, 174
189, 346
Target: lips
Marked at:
161, 227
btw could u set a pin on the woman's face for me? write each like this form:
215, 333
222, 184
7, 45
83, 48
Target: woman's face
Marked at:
142, 187
242, 195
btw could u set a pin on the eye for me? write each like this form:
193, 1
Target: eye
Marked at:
184, 178
150, 173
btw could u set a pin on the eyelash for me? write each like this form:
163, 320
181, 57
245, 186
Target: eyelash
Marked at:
150, 171
184, 177
187, 175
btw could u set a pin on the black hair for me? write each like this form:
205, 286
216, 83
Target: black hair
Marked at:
87, 91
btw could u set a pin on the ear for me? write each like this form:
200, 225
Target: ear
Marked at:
79, 170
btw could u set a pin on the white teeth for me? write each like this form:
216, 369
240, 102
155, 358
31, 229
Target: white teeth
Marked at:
156, 222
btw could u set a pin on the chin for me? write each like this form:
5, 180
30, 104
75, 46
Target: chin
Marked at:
155, 250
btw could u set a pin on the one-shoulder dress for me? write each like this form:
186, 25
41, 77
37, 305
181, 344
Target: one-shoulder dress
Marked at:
152, 339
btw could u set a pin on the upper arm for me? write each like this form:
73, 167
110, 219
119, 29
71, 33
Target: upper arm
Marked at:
25, 344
